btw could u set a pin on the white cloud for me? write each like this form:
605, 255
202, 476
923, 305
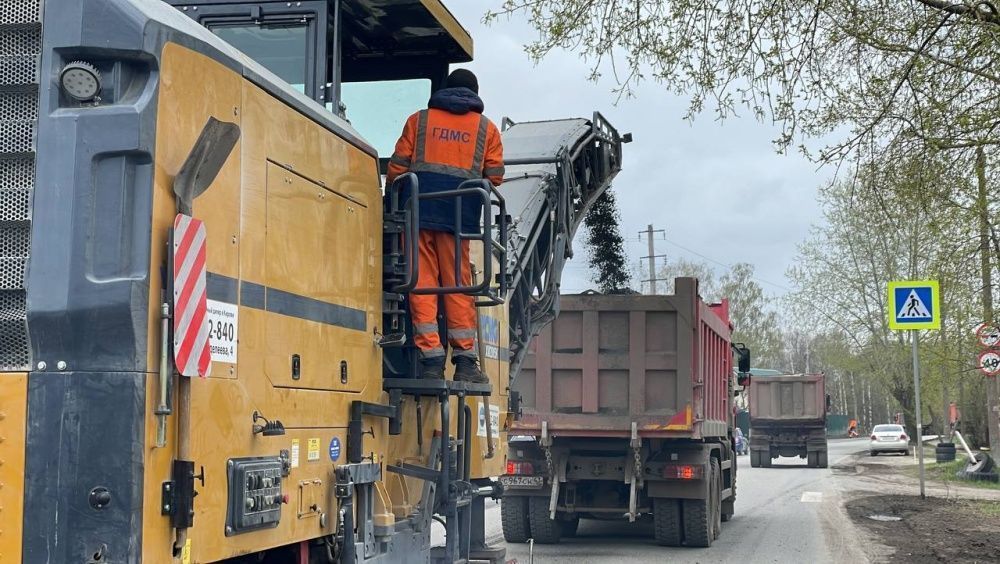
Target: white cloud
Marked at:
717, 188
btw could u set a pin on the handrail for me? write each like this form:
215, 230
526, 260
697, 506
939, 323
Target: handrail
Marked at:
411, 227
495, 219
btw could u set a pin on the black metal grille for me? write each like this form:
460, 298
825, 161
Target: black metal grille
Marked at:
20, 52
20, 12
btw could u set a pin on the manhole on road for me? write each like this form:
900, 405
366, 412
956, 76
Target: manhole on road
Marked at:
885, 518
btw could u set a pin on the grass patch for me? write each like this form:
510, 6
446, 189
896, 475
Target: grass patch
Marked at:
946, 472
989, 508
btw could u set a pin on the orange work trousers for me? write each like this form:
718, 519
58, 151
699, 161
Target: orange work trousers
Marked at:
437, 269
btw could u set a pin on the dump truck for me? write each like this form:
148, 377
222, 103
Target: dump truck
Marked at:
788, 418
626, 411
205, 346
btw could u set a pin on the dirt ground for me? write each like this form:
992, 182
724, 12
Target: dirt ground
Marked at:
931, 530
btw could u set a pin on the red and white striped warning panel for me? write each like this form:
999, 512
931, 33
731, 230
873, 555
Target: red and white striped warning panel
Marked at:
192, 351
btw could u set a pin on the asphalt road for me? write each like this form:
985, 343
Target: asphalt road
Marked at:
787, 513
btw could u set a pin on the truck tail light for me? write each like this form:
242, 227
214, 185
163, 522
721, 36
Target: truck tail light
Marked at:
903, 437
520, 468
683, 471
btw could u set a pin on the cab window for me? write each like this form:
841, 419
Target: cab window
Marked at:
379, 109
281, 48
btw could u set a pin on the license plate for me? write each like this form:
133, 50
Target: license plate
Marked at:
522, 481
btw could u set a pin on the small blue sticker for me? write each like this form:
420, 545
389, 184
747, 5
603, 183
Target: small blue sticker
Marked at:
334, 449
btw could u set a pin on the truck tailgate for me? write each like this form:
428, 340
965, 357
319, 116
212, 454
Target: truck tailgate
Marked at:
787, 399
606, 362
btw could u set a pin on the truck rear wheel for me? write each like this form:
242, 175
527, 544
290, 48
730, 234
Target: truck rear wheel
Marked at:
765, 459
755, 458
823, 460
514, 519
812, 459
667, 521
703, 517
543, 529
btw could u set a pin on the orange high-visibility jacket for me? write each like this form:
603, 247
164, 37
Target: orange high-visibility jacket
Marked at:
445, 145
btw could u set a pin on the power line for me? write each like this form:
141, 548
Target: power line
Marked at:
791, 293
720, 263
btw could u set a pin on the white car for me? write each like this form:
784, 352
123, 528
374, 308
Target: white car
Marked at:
889, 438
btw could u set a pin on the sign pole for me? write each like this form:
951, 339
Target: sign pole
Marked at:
915, 305
916, 389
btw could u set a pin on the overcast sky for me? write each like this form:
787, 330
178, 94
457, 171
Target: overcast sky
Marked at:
719, 190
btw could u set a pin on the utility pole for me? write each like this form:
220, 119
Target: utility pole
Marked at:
854, 392
992, 409
870, 408
652, 257
943, 369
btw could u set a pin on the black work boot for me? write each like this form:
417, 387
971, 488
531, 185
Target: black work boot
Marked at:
467, 370
432, 368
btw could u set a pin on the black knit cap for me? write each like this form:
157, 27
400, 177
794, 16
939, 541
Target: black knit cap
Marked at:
462, 78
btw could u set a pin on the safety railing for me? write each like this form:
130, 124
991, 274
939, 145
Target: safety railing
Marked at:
402, 270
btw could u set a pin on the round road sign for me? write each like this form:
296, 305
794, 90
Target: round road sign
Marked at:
989, 335
989, 363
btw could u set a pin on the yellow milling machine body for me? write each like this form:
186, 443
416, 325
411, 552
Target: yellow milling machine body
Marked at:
310, 439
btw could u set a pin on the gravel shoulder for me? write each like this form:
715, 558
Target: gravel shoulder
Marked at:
955, 523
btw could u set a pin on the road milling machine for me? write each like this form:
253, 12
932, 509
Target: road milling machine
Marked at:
205, 346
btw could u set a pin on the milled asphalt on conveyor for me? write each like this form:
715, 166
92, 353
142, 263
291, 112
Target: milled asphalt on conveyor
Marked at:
787, 513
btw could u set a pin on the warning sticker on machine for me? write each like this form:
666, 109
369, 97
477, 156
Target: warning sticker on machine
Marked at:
223, 326
494, 418
313, 453
295, 453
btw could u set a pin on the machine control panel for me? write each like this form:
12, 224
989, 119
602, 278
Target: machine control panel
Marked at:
255, 494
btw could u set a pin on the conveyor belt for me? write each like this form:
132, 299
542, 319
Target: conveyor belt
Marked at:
555, 171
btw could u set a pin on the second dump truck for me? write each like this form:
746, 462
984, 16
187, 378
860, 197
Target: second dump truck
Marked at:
627, 411
788, 418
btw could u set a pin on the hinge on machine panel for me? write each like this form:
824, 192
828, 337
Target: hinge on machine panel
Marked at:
177, 495
167, 498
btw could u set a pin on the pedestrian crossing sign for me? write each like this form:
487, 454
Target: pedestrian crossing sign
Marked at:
914, 304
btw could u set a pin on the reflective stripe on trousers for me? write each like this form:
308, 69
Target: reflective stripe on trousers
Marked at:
437, 269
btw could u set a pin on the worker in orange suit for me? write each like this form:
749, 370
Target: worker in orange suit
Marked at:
446, 144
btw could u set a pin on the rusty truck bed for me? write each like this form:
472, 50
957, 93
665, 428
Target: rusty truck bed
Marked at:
606, 362
789, 399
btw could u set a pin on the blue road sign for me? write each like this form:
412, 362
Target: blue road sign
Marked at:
914, 304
